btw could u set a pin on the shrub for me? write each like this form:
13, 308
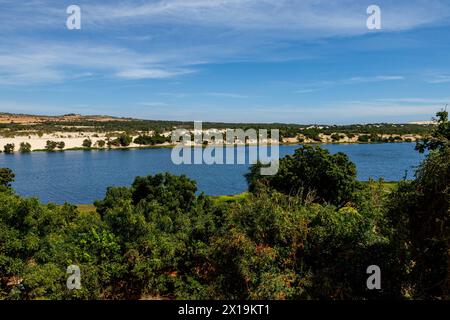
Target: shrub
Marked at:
311, 170
335, 137
364, 138
419, 212
6, 177
125, 140
25, 147
101, 143
87, 143
51, 145
150, 140
9, 148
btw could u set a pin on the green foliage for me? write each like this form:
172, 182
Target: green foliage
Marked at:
84, 124
25, 147
274, 246
52, 145
9, 148
419, 212
309, 232
101, 143
158, 238
125, 140
87, 143
364, 138
335, 137
439, 137
311, 172
151, 140
312, 134
175, 192
6, 177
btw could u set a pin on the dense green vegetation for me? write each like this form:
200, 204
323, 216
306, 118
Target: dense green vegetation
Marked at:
134, 126
9, 148
311, 172
25, 147
152, 140
52, 145
310, 232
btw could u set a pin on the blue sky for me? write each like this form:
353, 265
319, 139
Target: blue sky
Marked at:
294, 61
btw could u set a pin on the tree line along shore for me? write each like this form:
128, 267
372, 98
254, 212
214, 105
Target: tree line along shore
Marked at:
60, 141
25, 133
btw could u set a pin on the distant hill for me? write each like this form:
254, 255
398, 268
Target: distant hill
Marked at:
11, 124
36, 119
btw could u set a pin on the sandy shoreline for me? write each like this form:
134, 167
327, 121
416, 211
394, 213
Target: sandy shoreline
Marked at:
74, 140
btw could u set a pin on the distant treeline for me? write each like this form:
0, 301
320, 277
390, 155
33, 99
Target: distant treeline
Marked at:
286, 130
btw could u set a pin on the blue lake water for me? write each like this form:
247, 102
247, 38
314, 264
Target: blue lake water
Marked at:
82, 176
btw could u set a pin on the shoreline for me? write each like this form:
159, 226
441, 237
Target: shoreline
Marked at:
171, 146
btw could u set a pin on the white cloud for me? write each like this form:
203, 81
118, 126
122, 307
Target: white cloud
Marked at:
47, 62
438, 79
151, 73
323, 17
227, 95
168, 38
434, 101
318, 85
153, 104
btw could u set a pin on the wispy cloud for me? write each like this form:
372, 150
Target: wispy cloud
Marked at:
151, 73
43, 63
322, 17
166, 38
429, 101
318, 85
227, 95
438, 79
153, 104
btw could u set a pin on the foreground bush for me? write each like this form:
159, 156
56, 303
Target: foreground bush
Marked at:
313, 172
158, 238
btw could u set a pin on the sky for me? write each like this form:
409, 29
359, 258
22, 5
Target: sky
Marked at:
290, 61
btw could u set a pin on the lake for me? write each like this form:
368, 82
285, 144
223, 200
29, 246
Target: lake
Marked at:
80, 177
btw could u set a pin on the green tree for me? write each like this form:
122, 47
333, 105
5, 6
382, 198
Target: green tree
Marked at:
125, 140
61, 145
51, 145
101, 143
335, 137
9, 148
311, 171
87, 143
419, 212
440, 136
150, 140
173, 191
364, 138
25, 147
